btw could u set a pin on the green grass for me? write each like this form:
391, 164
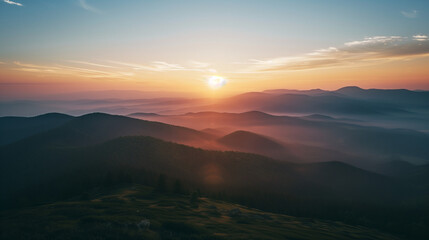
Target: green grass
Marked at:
115, 216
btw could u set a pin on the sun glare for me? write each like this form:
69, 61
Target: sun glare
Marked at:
216, 82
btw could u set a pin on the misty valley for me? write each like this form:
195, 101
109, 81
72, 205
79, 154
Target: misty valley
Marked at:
278, 164
214, 120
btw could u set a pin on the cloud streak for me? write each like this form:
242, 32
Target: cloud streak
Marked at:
161, 66
13, 3
421, 38
198, 64
91, 64
70, 70
85, 5
371, 49
410, 14
115, 69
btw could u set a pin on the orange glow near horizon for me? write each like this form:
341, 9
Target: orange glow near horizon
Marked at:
33, 80
210, 49
216, 82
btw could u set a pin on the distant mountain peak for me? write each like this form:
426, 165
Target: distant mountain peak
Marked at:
349, 88
248, 140
319, 116
53, 114
97, 115
142, 114
256, 113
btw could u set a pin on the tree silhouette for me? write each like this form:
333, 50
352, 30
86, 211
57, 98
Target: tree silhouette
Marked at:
178, 187
161, 186
193, 200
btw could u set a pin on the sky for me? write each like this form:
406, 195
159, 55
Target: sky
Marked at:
53, 47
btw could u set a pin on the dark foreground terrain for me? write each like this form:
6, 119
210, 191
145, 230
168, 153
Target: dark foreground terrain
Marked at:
139, 212
77, 178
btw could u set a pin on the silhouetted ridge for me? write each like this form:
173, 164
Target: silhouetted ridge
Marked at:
142, 114
13, 129
256, 114
99, 127
350, 89
403, 98
237, 171
248, 114
248, 140
320, 116
54, 115
396, 168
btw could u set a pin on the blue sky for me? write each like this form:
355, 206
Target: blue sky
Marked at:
140, 39
45, 30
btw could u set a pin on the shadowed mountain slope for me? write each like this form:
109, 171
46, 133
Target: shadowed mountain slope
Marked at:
15, 128
331, 189
99, 127
247, 141
210, 169
292, 152
212, 219
336, 104
399, 97
336, 135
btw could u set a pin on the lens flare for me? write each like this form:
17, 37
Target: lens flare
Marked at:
216, 82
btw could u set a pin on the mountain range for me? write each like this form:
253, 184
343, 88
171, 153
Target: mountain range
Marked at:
346, 155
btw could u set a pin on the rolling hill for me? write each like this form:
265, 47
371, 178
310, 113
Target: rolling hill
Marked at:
211, 170
399, 97
254, 143
15, 128
99, 127
369, 142
51, 172
331, 104
168, 216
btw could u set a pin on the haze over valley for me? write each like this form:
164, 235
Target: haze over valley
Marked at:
214, 120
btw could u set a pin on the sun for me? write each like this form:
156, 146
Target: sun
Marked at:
216, 82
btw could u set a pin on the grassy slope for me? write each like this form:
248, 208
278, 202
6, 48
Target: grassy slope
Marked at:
115, 215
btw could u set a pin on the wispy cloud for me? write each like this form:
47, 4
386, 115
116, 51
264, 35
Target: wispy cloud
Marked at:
115, 69
133, 66
85, 5
35, 68
13, 3
71, 70
371, 49
421, 38
195, 66
375, 40
91, 64
198, 64
161, 66
410, 14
